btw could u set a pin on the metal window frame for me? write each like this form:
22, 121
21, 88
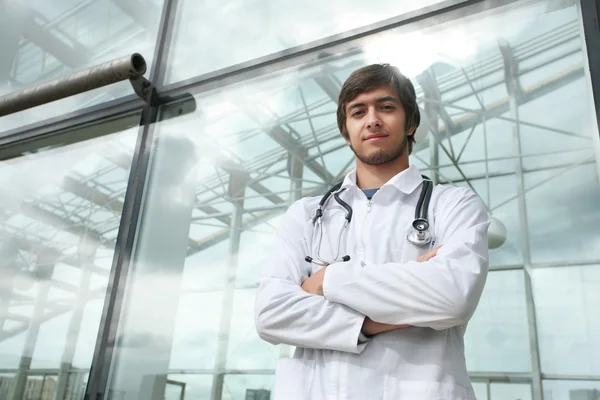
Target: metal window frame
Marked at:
104, 352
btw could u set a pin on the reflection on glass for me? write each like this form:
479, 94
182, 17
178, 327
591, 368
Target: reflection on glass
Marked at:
43, 40
220, 178
59, 213
497, 338
481, 390
566, 301
571, 390
510, 391
247, 386
575, 197
212, 35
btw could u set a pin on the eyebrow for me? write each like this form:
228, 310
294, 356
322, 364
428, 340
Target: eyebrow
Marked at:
352, 106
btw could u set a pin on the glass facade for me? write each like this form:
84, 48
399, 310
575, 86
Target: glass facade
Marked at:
131, 244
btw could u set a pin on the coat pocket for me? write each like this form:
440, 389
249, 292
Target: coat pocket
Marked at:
293, 379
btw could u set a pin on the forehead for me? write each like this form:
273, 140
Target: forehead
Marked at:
373, 95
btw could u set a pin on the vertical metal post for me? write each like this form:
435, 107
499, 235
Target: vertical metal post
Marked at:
295, 169
237, 188
432, 113
515, 91
12, 14
45, 263
86, 254
589, 14
111, 313
296, 173
434, 155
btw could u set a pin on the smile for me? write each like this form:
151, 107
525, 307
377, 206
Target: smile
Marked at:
372, 138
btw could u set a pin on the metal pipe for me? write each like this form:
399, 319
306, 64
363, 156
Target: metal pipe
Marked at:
129, 67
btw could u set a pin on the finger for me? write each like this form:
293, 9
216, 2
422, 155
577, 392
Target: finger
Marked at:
428, 256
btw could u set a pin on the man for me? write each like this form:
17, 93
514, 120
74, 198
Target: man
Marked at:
387, 321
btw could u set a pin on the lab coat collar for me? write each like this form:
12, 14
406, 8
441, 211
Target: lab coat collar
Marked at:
406, 181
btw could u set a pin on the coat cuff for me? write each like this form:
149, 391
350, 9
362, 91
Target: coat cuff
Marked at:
339, 280
336, 276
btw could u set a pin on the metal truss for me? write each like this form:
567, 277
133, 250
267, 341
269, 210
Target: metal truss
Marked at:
89, 195
455, 103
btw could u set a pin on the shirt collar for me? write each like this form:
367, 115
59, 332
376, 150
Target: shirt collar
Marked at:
406, 181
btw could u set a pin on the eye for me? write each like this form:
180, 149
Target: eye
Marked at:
388, 107
357, 113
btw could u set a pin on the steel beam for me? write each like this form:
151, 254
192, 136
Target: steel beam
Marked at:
33, 331
284, 139
87, 252
70, 55
12, 15
589, 13
237, 186
516, 93
145, 14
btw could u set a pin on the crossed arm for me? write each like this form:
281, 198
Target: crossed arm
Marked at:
439, 292
314, 285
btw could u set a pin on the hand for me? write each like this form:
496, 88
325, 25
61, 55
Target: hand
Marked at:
371, 327
429, 255
314, 284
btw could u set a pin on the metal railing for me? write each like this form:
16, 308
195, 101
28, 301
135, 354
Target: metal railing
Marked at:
131, 67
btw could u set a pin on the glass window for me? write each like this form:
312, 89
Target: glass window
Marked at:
481, 390
571, 390
211, 35
219, 179
42, 40
497, 337
60, 210
510, 391
566, 301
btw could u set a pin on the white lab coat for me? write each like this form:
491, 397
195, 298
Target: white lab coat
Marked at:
383, 281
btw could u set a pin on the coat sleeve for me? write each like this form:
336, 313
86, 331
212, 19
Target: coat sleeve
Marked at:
285, 313
440, 293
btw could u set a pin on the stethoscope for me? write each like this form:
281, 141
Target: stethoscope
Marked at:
419, 234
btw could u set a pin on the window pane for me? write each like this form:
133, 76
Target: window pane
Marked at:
497, 337
480, 390
510, 391
44, 40
221, 177
251, 387
575, 235
212, 35
571, 390
566, 301
61, 208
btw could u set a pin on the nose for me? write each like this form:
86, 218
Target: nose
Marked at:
373, 120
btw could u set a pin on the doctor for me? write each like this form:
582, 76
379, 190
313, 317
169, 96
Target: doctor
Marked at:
373, 315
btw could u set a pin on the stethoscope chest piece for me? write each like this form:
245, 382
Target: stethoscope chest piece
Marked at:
418, 237
419, 234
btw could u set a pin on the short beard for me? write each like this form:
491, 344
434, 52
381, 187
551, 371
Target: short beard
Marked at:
383, 156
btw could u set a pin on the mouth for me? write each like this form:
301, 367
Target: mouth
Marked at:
375, 137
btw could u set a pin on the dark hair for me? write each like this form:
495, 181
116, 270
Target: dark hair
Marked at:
373, 77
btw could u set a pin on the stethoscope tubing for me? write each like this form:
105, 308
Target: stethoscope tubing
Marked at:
420, 223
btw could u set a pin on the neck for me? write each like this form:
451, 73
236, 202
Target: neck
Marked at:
375, 176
